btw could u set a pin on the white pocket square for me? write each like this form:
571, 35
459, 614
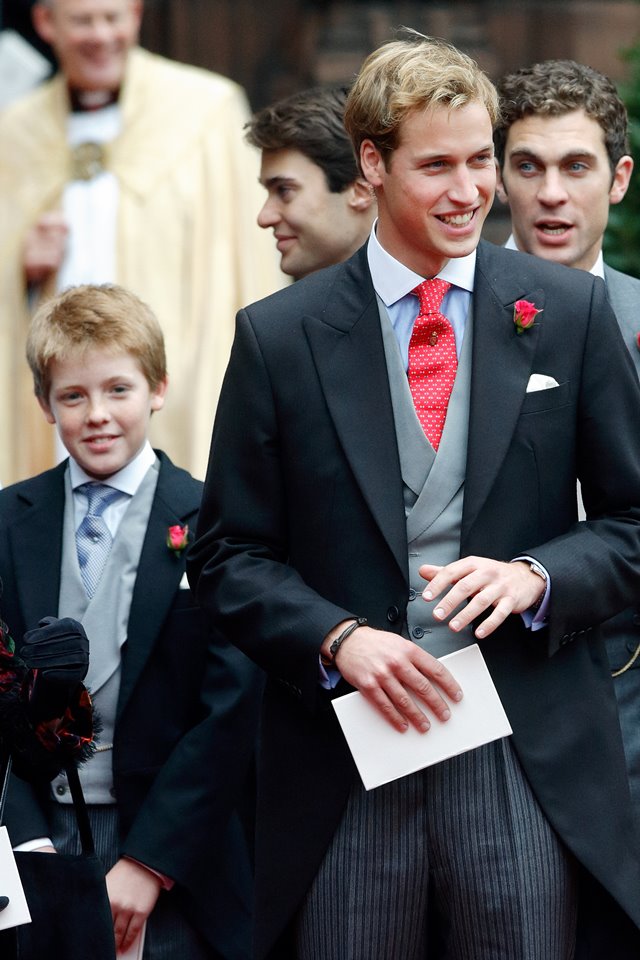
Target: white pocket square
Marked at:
540, 381
184, 583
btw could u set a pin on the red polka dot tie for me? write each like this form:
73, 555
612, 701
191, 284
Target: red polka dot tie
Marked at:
432, 360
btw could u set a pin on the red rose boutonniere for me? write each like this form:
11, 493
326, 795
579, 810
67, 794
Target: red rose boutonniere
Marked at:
638, 340
524, 314
177, 538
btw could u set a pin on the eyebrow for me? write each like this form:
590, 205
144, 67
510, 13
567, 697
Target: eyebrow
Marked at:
277, 180
521, 153
428, 157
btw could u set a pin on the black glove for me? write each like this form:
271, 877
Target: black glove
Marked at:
59, 651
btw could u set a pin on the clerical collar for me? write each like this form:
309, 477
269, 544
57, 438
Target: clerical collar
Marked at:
83, 101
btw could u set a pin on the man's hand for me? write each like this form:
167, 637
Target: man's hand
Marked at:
386, 668
44, 247
133, 891
505, 587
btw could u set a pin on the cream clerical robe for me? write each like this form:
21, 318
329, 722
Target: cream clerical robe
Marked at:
188, 242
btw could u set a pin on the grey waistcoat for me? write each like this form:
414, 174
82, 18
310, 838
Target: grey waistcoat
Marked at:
105, 618
433, 487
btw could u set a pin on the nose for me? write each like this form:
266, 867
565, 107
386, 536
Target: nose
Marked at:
269, 216
552, 191
464, 190
97, 411
100, 30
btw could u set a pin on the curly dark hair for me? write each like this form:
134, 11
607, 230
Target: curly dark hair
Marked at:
311, 122
555, 87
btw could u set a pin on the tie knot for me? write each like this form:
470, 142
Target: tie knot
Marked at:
99, 496
431, 293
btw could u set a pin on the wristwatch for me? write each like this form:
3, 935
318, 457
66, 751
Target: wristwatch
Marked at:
535, 568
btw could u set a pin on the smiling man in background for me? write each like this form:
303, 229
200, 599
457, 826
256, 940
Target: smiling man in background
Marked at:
319, 206
127, 168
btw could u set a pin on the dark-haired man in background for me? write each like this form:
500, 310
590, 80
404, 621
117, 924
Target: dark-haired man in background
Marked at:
563, 155
318, 205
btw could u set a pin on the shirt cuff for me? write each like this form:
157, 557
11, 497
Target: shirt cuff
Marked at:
537, 618
29, 846
329, 676
167, 882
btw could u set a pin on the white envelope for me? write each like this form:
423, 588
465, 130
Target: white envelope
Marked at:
136, 949
383, 754
17, 911
541, 381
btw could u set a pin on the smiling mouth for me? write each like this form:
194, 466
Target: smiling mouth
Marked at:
553, 229
100, 440
458, 219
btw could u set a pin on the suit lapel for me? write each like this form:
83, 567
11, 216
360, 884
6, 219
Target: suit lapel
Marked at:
346, 343
36, 544
502, 364
159, 571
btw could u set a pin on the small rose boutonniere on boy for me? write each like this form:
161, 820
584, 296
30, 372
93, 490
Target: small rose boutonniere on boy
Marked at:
178, 538
524, 315
638, 340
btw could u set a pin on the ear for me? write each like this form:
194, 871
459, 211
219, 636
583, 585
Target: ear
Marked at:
621, 179
42, 18
136, 8
501, 190
361, 195
371, 163
158, 395
46, 409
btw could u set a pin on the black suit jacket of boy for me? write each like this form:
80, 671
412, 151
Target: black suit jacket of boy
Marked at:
186, 711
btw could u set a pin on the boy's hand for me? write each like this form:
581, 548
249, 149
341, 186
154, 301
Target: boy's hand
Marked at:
133, 891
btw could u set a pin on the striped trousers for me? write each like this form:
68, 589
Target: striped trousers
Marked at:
456, 862
169, 935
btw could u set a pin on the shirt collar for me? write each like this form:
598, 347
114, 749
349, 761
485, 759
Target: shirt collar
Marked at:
597, 269
392, 280
126, 480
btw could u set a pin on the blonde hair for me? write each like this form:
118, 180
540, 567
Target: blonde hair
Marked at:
407, 75
105, 317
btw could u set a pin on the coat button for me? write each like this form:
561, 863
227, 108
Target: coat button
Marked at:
412, 594
417, 633
392, 614
61, 789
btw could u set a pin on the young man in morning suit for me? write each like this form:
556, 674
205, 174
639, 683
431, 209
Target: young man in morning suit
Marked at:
174, 700
562, 148
325, 502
